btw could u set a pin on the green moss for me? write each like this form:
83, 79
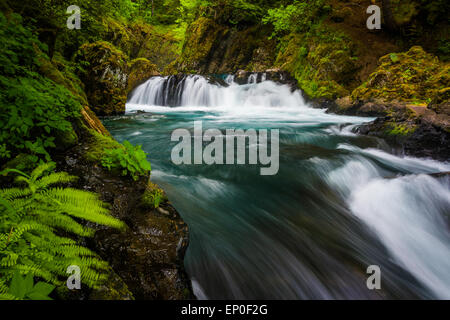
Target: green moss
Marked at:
322, 61
200, 38
97, 145
413, 76
104, 74
153, 196
399, 129
23, 162
66, 139
140, 69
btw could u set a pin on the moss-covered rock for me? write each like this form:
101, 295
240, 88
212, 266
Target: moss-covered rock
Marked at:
114, 288
96, 145
159, 44
414, 76
104, 77
140, 69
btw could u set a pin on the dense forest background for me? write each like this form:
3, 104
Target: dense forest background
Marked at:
55, 81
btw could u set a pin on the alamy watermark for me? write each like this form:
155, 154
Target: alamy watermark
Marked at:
374, 280
229, 148
74, 21
374, 21
74, 280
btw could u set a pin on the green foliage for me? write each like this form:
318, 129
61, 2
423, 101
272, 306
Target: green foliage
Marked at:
34, 108
35, 222
296, 17
153, 196
23, 288
225, 12
129, 160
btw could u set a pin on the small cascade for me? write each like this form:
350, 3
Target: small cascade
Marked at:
200, 91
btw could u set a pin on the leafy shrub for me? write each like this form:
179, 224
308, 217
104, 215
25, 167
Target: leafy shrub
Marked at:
129, 160
34, 109
296, 17
32, 221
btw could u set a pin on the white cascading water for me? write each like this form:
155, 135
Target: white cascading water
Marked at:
408, 213
255, 100
195, 90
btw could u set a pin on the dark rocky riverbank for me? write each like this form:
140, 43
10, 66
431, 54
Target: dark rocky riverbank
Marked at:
147, 258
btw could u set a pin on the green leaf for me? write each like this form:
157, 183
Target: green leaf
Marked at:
18, 287
41, 291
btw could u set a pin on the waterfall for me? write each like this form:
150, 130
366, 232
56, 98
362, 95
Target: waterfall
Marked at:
196, 90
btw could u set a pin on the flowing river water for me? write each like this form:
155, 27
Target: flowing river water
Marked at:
339, 203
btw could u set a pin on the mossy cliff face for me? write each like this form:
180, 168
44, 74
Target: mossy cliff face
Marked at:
323, 62
211, 48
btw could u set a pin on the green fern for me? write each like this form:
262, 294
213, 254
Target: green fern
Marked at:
31, 223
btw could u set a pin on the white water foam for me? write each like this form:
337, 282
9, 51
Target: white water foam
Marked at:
409, 213
265, 100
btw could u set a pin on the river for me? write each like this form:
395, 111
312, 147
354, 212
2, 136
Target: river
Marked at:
339, 203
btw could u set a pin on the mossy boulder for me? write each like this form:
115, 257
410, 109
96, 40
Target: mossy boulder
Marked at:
140, 69
414, 76
109, 76
104, 77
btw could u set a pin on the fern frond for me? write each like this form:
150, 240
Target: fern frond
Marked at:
13, 193
32, 220
7, 296
81, 204
54, 178
40, 170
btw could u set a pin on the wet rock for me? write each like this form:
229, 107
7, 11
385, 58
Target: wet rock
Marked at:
276, 75
147, 258
114, 289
